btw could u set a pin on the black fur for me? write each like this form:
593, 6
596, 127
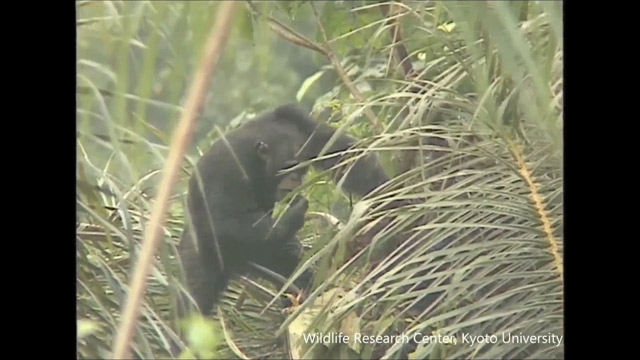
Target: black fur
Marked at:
233, 191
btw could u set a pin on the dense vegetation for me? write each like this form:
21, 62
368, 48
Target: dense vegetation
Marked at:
463, 102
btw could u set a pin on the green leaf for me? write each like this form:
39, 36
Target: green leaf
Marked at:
87, 327
448, 27
203, 335
308, 82
245, 24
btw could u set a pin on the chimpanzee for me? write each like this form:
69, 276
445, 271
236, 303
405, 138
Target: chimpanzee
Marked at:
234, 189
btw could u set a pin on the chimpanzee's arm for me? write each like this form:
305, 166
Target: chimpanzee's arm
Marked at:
259, 227
365, 175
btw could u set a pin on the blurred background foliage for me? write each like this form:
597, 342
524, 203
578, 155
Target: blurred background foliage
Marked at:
468, 119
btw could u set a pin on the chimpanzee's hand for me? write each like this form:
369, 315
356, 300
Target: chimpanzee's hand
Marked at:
300, 203
294, 215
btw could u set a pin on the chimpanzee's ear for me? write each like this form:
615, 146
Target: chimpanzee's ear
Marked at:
262, 149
